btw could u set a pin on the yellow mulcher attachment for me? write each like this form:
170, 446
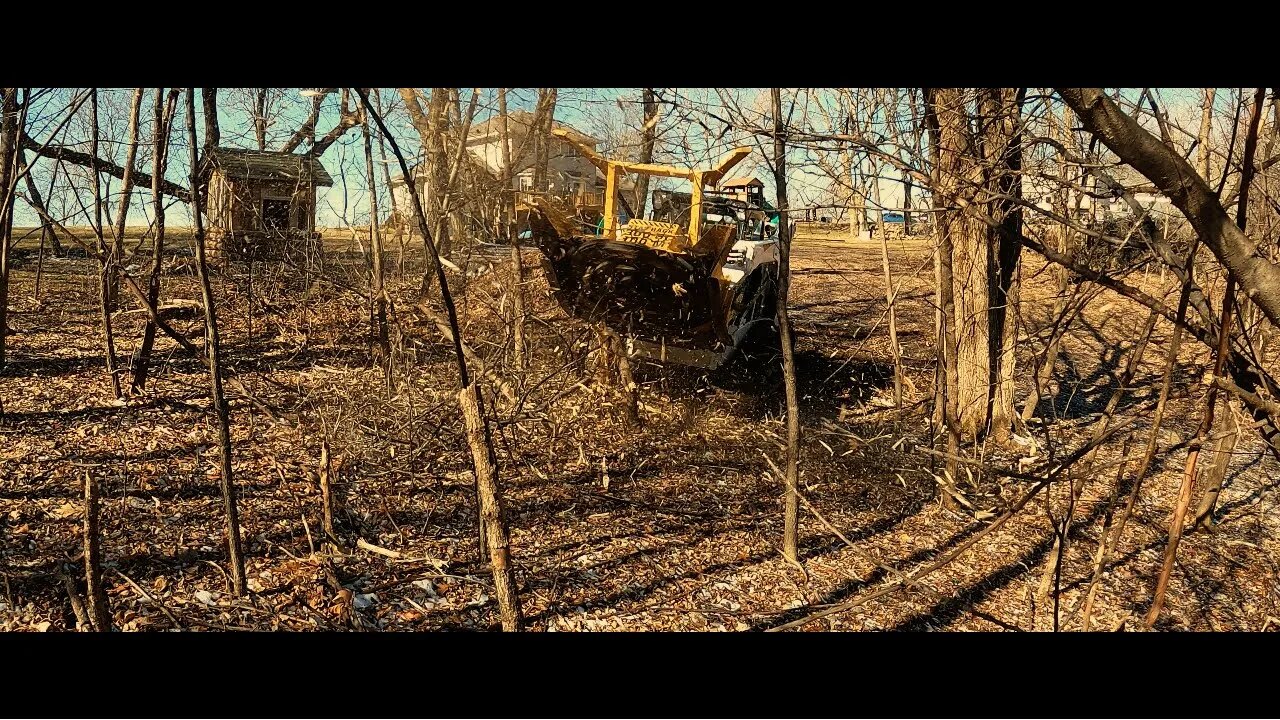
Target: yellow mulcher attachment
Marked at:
659, 280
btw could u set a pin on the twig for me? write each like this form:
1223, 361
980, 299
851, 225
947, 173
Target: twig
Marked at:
173, 619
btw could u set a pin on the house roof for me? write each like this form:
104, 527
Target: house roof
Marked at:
267, 166
742, 182
520, 121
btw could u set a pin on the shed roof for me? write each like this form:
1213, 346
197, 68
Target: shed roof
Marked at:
742, 182
265, 165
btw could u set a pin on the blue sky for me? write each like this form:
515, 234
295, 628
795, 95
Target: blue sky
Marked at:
688, 138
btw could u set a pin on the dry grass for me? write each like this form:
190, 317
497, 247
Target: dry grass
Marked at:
687, 534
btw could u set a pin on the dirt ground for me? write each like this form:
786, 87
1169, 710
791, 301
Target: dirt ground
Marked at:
675, 526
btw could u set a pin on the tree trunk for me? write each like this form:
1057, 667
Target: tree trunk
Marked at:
790, 536
162, 125
47, 233
126, 194
947, 139
507, 212
8, 141
974, 168
1002, 148
106, 263
490, 499
381, 346
260, 117
397, 220
1223, 450
488, 491
968, 237
212, 135
1204, 141
216, 395
648, 134
1064, 205
896, 351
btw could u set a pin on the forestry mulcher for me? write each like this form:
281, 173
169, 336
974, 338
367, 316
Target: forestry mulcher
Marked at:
695, 283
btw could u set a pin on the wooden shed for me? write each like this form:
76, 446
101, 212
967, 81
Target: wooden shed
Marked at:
260, 204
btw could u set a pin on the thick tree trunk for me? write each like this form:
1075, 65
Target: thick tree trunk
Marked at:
967, 238
216, 395
790, 533
946, 140
1002, 147
983, 232
212, 134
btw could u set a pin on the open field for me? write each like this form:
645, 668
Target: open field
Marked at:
674, 526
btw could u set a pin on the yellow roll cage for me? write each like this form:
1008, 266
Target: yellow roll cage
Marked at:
613, 170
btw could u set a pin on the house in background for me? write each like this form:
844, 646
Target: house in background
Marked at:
260, 204
1096, 202
570, 176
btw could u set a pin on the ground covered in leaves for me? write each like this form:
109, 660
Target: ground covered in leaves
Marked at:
676, 525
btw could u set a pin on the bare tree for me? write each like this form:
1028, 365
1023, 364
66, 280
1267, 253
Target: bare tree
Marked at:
1211, 395
214, 352
792, 470
106, 256
377, 292
1189, 192
162, 123
516, 289
948, 139
9, 131
484, 462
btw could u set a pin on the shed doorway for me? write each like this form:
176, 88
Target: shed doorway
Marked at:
275, 215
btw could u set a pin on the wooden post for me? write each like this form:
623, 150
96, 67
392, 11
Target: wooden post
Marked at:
99, 612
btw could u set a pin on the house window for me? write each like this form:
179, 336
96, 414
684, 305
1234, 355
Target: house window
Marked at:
526, 182
275, 215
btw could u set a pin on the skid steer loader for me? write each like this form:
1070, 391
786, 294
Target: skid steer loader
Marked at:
694, 284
